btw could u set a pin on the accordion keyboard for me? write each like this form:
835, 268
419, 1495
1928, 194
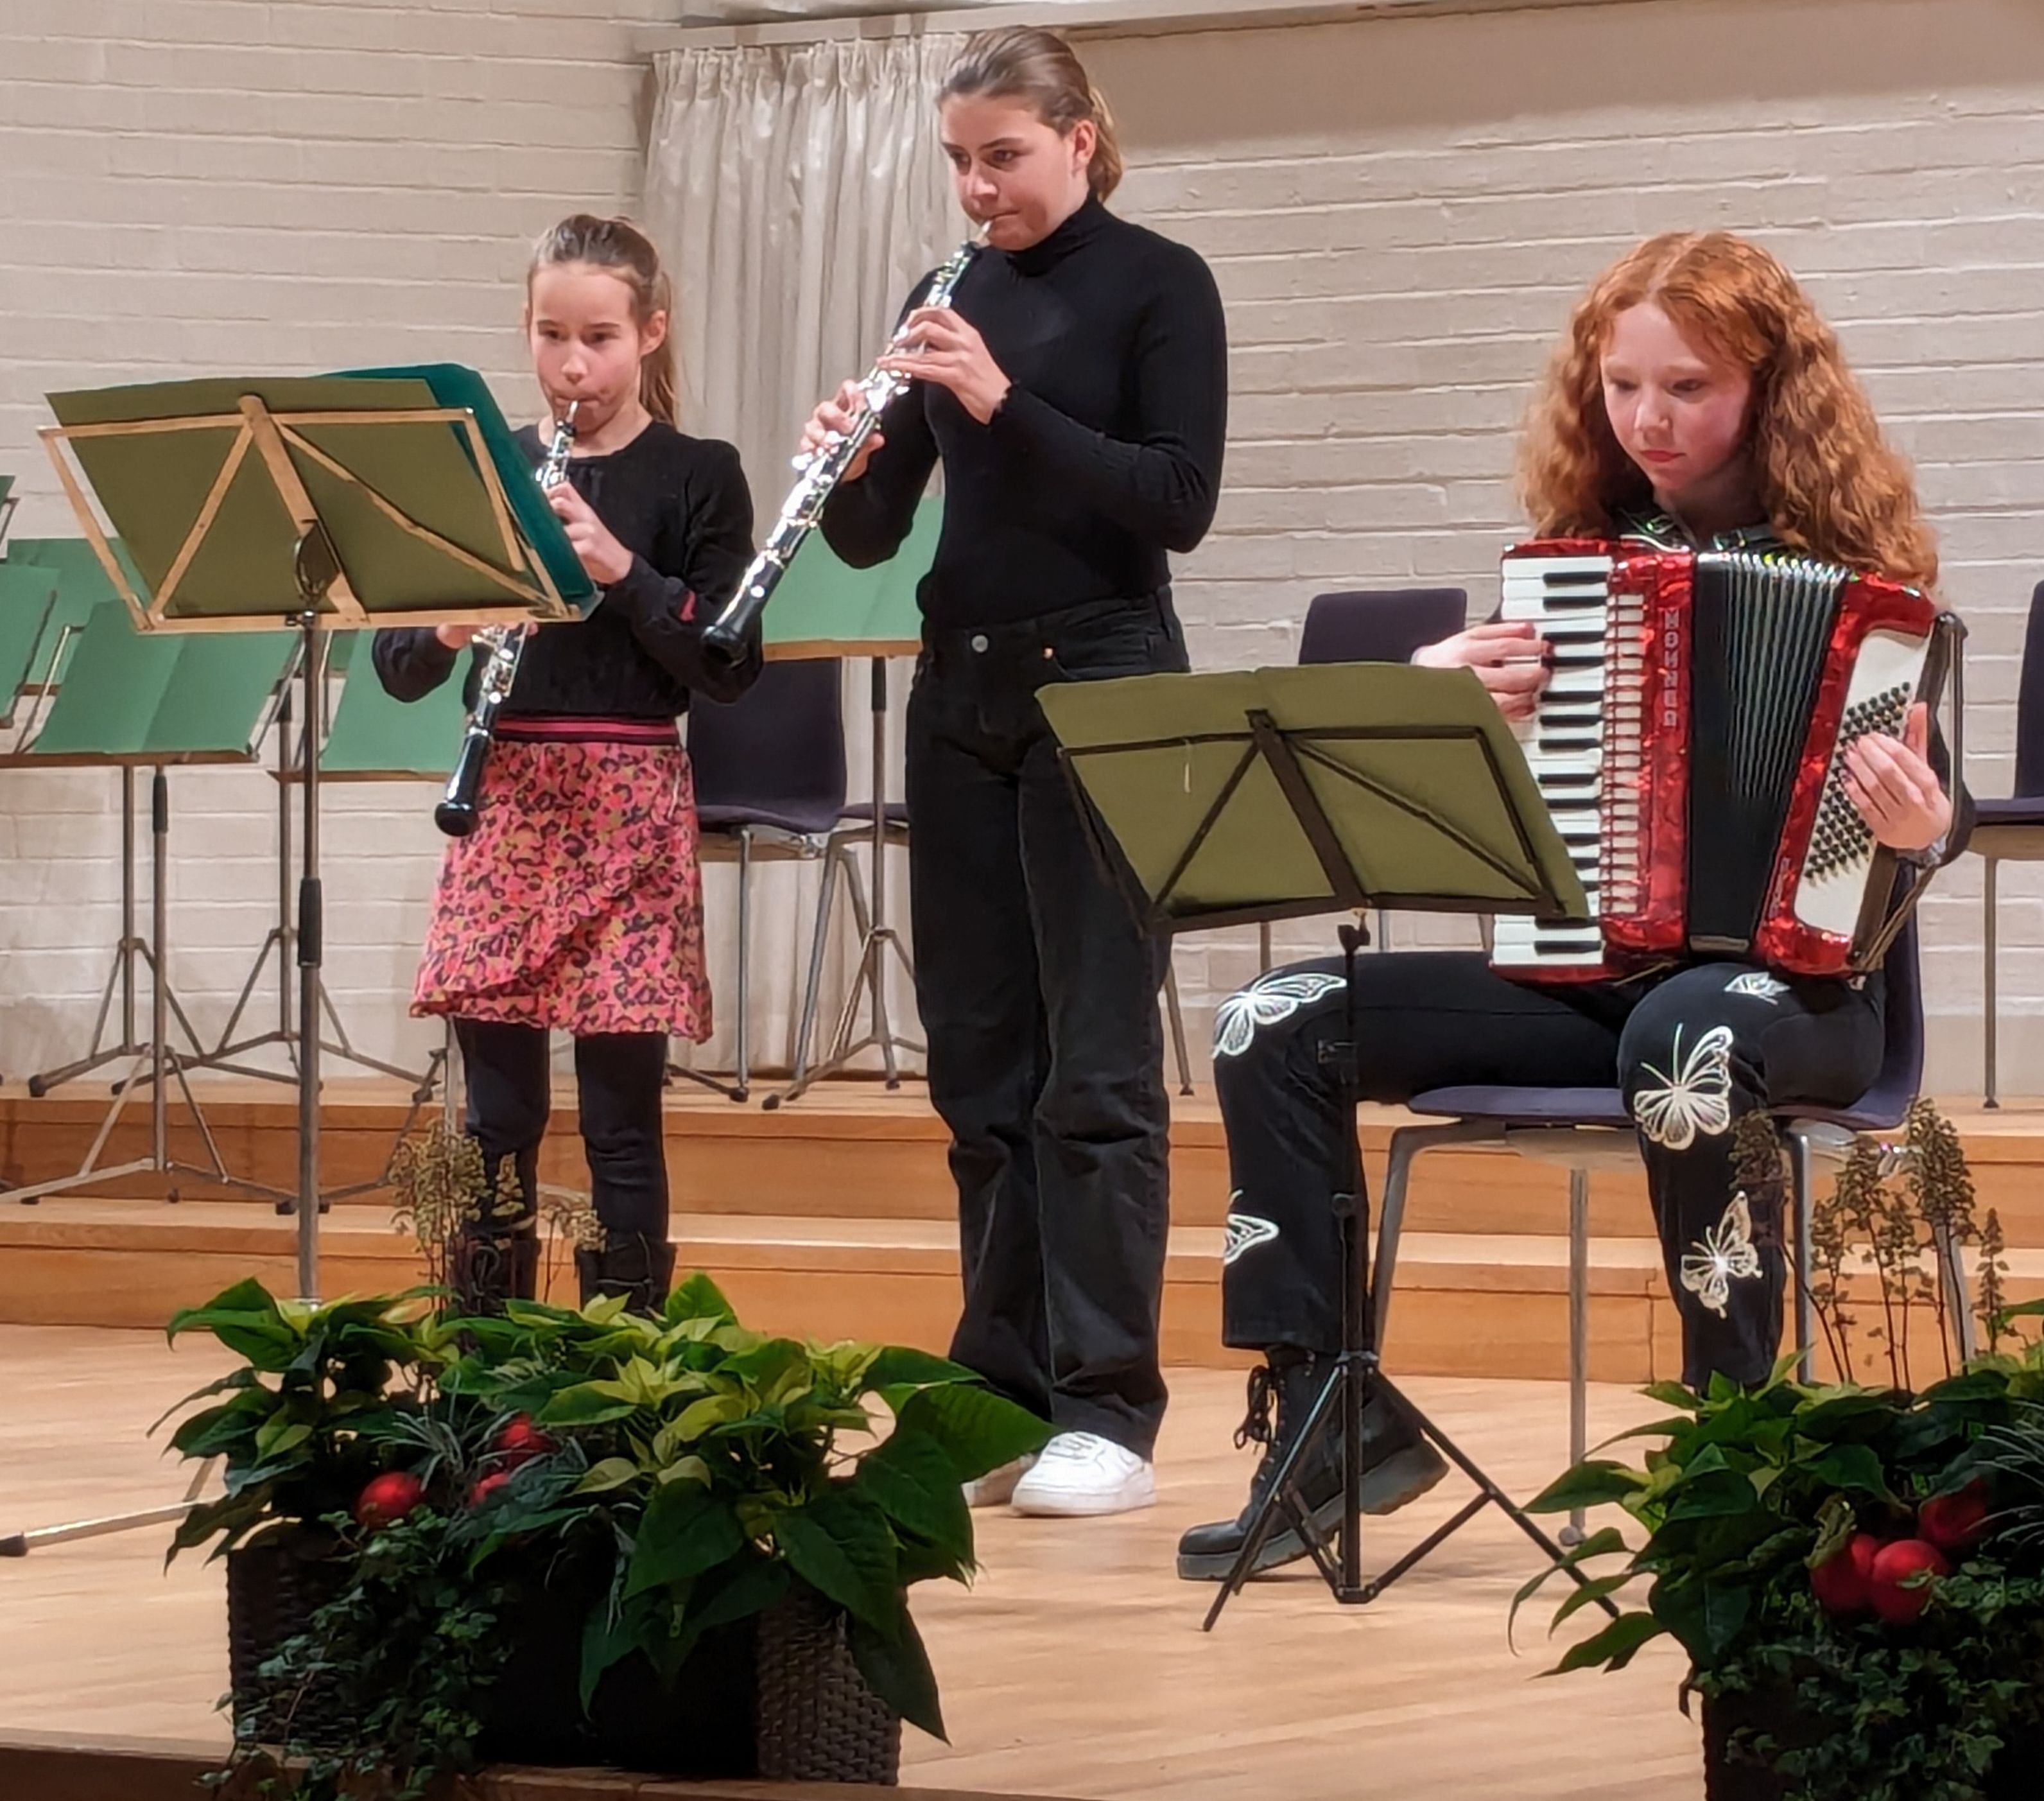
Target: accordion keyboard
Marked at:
1568, 602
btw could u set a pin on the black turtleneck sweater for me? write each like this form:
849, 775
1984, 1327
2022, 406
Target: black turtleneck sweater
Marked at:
681, 507
1105, 454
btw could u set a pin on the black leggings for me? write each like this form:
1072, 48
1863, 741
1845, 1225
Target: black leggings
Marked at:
1692, 1052
619, 1077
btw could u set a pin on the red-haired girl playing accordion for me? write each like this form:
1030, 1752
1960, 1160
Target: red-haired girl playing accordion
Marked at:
1698, 402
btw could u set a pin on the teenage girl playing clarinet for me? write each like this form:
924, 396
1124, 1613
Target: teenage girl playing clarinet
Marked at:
576, 904
1698, 401
1076, 395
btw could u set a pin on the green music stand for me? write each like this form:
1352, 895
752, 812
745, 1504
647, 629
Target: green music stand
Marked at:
27, 600
824, 607
1275, 794
128, 702
323, 503
9, 501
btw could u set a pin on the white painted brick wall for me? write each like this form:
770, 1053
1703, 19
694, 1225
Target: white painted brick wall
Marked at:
1402, 212
1399, 211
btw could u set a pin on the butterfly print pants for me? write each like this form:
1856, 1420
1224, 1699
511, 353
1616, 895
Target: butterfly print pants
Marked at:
1692, 1050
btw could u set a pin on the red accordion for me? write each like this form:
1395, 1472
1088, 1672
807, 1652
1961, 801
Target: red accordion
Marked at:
1689, 746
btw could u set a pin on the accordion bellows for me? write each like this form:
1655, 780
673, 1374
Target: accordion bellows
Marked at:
1690, 745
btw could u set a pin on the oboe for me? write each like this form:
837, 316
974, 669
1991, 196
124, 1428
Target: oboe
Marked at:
724, 638
456, 814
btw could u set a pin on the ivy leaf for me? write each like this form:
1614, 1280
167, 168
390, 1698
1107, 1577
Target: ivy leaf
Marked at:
898, 1670
686, 1531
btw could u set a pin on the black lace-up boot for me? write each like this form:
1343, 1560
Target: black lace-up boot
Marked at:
1398, 1465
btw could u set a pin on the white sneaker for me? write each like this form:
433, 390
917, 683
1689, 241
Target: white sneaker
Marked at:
994, 1488
1078, 1474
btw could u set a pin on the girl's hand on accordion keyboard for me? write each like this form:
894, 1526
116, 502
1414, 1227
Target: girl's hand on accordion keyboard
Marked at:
834, 419
1508, 660
603, 555
1898, 794
454, 638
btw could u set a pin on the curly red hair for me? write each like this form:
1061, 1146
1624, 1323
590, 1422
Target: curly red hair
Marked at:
1831, 484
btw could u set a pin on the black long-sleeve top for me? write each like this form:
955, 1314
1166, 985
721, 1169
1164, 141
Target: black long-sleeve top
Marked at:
1105, 454
681, 507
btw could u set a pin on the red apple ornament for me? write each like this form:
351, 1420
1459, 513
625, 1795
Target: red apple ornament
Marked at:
1892, 1565
387, 1498
1843, 1581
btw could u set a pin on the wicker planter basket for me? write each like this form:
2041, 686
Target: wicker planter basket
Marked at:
778, 1697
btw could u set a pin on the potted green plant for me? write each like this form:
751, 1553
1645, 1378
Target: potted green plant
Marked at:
587, 1535
1855, 1572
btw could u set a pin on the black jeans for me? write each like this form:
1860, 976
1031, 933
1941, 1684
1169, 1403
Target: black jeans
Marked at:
619, 1077
1039, 993
1693, 1051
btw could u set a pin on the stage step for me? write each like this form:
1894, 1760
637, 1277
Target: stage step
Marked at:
1467, 1304
74, 1767
856, 1150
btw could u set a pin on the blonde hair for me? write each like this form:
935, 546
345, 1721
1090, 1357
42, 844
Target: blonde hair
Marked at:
619, 248
1831, 485
1028, 63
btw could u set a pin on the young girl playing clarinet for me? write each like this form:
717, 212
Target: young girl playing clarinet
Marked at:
1698, 401
576, 903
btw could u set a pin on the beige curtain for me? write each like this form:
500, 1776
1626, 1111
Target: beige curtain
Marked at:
798, 191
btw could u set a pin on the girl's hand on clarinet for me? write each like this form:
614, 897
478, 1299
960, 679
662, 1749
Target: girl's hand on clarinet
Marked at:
834, 419
603, 555
1898, 794
1508, 660
939, 346
454, 638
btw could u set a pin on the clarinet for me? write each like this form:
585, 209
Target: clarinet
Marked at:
723, 639
456, 814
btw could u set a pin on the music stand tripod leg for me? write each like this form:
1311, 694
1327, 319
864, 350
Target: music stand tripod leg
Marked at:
1357, 1379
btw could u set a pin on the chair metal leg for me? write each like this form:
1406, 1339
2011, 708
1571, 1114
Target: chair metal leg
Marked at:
1406, 1143
1262, 947
1987, 946
1579, 1334
744, 1089
812, 992
1178, 1019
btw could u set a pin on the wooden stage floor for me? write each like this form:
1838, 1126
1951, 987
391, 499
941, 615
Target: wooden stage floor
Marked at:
1075, 1666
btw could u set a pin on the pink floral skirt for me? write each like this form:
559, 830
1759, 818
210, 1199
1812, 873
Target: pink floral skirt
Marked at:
576, 903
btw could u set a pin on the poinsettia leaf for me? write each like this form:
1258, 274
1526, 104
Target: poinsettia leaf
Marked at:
1588, 1594
1673, 1395
755, 1586
913, 1480
1591, 1484
898, 1670
697, 1297
1854, 1468
686, 1531
608, 1473
1614, 1647
841, 1546
586, 1404
1606, 1541
902, 1369
978, 1429
609, 1636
